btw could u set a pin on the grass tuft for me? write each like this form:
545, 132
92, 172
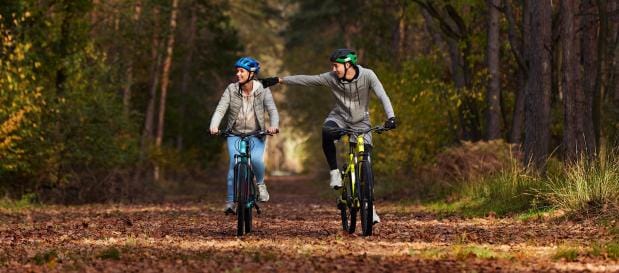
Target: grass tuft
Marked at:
111, 253
569, 254
587, 188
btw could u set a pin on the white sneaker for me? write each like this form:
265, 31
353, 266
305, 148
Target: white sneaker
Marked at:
263, 193
336, 179
375, 216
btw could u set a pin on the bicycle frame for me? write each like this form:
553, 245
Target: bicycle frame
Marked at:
244, 157
356, 195
353, 159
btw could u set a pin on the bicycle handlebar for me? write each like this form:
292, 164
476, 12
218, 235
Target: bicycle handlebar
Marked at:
258, 133
356, 132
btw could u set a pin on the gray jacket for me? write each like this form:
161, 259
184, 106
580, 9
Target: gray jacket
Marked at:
351, 98
232, 100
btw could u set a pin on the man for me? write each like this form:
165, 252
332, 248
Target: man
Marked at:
350, 84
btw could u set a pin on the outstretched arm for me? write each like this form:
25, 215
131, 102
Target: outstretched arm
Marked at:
269, 104
307, 80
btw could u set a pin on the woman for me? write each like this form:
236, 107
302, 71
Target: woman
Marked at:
247, 101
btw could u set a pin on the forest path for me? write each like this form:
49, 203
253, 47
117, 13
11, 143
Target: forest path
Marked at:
298, 231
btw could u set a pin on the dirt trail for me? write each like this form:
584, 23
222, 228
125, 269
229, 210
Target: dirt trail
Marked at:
299, 231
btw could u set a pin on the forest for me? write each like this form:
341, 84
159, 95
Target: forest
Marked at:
505, 109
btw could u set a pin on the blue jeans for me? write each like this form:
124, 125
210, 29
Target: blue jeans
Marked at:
257, 162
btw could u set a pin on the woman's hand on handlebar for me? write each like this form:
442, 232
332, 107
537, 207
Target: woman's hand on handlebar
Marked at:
273, 130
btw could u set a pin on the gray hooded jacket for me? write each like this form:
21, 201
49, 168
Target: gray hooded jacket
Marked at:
232, 100
352, 98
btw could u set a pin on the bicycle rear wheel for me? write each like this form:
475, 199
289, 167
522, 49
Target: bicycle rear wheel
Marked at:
366, 197
348, 212
241, 180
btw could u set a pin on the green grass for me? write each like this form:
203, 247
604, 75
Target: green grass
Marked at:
586, 188
567, 253
534, 214
510, 191
45, 257
26, 201
111, 253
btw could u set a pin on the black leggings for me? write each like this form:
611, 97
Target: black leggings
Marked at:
328, 144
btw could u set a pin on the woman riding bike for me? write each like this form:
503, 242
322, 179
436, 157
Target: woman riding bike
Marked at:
246, 102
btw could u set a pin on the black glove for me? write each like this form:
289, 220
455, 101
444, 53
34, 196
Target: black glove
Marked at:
390, 123
266, 82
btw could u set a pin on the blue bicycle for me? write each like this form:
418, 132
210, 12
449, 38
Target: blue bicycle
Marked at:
245, 193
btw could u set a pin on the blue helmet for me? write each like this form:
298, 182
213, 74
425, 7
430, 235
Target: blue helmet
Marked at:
249, 64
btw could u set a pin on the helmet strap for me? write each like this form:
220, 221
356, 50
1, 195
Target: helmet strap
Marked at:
346, 72
250, 78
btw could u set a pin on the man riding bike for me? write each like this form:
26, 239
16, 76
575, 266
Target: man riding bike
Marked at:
246, 100
350, 84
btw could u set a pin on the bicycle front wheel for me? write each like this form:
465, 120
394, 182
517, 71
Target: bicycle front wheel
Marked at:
366, 197
348, 212
249, 204
241, 180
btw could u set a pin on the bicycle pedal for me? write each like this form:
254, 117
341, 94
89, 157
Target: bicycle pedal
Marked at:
257, 209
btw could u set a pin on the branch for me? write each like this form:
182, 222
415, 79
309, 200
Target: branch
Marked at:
445, 26
514, 40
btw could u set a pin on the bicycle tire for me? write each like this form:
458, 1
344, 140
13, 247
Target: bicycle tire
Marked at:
366, 198
348, 212
251, 199
241, 178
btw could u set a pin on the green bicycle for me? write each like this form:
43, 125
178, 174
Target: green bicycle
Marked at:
357, 192
245, 193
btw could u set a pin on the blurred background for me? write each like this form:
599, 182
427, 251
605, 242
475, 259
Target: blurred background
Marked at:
111, 100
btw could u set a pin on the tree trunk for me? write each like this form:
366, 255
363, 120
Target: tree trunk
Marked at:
129, 68
518, 115
574, 105
538, 86
186, 78
589, 57
518, 44
493, 96
165, 80
604, 58
147, 133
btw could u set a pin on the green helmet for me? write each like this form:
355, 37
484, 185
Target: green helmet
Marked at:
343, 55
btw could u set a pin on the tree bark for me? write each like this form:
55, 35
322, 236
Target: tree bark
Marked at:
589, 58
574, 104
493, 95
538, 86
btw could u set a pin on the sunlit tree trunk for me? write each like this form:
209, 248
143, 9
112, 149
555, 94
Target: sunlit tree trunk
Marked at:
165, 80
493, 95
538, 86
